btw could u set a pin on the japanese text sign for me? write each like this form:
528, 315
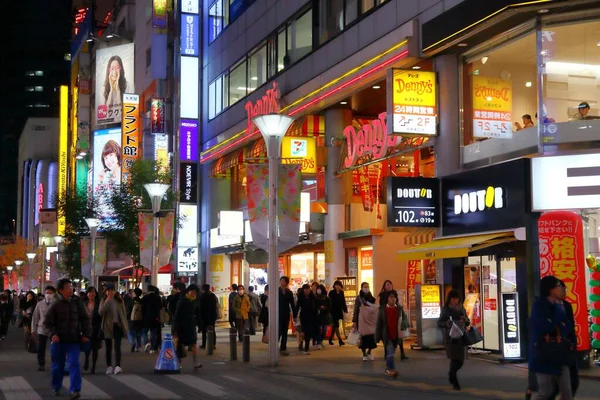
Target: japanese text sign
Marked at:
157, 115
414, 102
189, 35
188, 140
562, 255
130, 139
492, 107
430, 301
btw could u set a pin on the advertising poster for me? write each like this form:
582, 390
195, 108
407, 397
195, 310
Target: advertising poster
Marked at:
187, 236
350, 284
472, 302
492, 108
188, 140
414, 102
413, 278
187, 261
114, 78
157, 115
300, 150
131, 133
511, 340
159, 14
106, 164
430, 301
562, 255
189, 35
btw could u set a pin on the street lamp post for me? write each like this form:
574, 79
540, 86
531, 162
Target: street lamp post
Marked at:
156, 191
92, 224
18, 263
273, 128
58, 240
9, 268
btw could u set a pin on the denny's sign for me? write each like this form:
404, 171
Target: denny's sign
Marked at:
268, 104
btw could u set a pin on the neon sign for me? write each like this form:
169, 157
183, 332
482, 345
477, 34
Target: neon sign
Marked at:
268, 104
371, 139
40, 202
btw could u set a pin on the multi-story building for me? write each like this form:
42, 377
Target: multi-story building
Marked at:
448, 90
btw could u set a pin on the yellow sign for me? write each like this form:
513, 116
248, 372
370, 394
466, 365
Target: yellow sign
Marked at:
300, 150
63, 152
414, 102
329, 253
430, 294
130, 139
492, 107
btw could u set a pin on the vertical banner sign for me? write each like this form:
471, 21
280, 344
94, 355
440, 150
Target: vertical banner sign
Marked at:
413, 278
189, 35
130, 140
562, 255
188, 179
157, 116
492, 107
63, 143
414, 103
145, 221
188, 140
351, 288
159, 14
511, 333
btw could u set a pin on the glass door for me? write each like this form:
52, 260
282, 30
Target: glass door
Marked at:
490, 302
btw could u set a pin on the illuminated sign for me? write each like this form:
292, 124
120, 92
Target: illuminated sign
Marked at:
188, 231
492, 108
157, 115
268, 104
371, 140
40, 202
300, 150
161, 150
188, 140
189, 35
430, 301
190, 6
189, 87
63, 155
130, 140
217, 240
413, 201
188, 181
481, 200
414, 103
159, 14
187, 261
114, 78
511, 340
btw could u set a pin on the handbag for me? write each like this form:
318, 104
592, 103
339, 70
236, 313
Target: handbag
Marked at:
164, 316
403, 334
472, 336
32, 346
353, 338
554, 350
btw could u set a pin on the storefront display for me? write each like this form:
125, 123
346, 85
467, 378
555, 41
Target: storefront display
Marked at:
302, 269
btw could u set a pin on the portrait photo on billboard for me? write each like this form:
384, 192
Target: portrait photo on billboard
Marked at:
106, 164
114, 77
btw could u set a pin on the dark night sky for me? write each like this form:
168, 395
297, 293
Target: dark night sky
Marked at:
36, 37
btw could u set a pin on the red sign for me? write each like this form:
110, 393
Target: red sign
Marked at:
414, 275
268, 104
490, 304
562, 255
372, 140
157, 115
40, 201
366, 259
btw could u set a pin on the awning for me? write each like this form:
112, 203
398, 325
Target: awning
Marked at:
420, 236
224, 164
309, 125
455, 247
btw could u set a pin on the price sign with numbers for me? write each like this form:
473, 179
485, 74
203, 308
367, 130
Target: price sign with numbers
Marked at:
413, 202
492, 108
413, 102
430, 301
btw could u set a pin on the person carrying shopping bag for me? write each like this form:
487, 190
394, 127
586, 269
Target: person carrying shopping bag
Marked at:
388, 329
364, 320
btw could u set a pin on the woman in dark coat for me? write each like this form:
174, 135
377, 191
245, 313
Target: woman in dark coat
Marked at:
324, 309
307, 304
27, 308
92, 306
386, 290
338, 308
263, 317
454, 312
184, 324
364, 320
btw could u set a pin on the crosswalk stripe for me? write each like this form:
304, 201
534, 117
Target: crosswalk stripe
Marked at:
145, 387
17, 388
91, 391
233, 378
200, 384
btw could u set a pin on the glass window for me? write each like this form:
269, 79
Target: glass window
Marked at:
303, 39
29, 88
225, 91
257, 68
508, 281
39, 73
500, 91
351, 11
211, 100
367, 5
271, 56
217, 19
219, 95
282, 58
238, 87
331, 19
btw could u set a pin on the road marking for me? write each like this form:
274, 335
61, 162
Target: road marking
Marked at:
91, 391
200, 385
17, 388
231, 378
145, 387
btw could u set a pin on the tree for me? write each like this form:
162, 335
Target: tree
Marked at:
11, 252
125, 202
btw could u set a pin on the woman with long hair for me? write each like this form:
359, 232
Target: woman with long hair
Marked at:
111, 163
453, 312
115, 83
323, 318
92, 306
386, 289
27, 308
364, 320
114, 326
338, 308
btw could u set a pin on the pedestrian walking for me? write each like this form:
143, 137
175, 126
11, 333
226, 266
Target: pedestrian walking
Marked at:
232, 316
151, 306
136, 321
387, 289
185, 322
92, 306
173, 300
38, 332
254, 309
338, 308
69, 325
114, 327
307, 308
324, 316
389, 320
548, 319
241, 307
263, 318
364, 321
16, 302
452, 313
209, 305
5, 315
27, 308
286, 306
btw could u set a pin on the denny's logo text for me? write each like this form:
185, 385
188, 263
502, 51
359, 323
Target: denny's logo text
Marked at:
414, 84
481, 200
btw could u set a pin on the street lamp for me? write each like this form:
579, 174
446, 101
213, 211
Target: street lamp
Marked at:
273, 128
156, 191
9, 268
92, 224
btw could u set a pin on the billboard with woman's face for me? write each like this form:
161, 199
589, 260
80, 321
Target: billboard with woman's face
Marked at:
114, 76
106, 164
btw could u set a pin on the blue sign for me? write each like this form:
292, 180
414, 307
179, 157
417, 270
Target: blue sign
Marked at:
189, 35
167, 362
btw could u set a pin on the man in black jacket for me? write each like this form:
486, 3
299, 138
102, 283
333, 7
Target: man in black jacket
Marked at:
151, 306
208, 313
173, 299
286, 305
69, 325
